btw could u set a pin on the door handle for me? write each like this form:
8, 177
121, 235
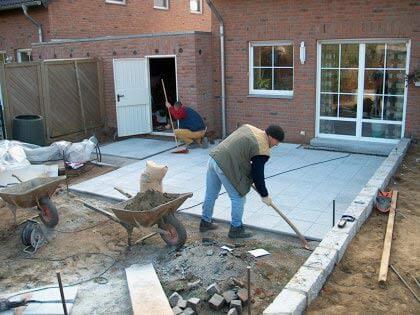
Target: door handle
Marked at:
119, 96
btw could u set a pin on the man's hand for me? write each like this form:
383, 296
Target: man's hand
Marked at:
267, 200
168, 105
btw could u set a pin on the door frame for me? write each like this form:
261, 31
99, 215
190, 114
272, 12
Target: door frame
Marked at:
148, 57
359, 115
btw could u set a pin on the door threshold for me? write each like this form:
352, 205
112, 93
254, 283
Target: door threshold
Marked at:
160, 133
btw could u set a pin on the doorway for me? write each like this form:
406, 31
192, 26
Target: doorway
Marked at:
162, 68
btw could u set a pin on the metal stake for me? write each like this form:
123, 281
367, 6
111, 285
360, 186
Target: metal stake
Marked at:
333, 213
405, 282
249, 289
63, 300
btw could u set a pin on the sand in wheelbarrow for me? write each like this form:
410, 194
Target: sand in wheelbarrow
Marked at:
148, 200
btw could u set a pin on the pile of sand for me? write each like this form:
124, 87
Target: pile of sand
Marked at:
148, 200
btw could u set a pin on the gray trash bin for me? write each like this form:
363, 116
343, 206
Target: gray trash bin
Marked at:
29, 128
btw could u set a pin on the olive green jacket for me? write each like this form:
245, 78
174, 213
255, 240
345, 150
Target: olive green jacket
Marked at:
233, 155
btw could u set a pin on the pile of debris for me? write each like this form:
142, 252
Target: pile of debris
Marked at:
231, 301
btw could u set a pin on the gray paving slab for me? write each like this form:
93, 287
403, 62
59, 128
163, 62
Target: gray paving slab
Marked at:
136, 148
303, 186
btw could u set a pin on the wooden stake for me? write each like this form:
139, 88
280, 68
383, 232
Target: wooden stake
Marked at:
383, 270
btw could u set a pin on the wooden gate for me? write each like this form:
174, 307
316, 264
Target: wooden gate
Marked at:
67, 93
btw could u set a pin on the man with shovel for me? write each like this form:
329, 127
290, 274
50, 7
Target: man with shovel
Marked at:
191, 125
237, 163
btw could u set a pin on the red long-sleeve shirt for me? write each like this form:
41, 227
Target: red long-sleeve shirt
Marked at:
179, 113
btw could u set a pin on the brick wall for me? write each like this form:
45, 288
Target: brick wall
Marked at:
191, 66
17, 31
308, 21
79, 19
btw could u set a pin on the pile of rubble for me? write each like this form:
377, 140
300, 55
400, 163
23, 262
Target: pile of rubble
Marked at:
231, 301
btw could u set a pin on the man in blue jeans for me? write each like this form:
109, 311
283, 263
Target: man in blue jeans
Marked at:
237, 163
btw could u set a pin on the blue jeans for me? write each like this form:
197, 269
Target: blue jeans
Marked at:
214, 180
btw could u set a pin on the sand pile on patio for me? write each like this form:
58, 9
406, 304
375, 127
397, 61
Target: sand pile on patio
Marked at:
148, 200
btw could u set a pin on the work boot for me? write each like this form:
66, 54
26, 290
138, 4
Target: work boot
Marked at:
207, 226
238, 232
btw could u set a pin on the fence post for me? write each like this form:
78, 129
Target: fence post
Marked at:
79, 89
5, 105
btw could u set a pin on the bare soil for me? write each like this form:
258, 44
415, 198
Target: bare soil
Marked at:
85, 244
353, 286
148, 200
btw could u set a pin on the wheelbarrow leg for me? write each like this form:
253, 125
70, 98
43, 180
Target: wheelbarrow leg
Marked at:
130, 234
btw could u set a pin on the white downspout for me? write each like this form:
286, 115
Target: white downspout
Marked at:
38, 25
222, 64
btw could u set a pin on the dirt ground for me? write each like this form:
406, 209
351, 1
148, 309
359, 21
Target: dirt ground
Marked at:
85, 244
353, 286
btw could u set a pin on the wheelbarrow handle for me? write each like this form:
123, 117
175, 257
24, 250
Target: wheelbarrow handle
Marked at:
123, 192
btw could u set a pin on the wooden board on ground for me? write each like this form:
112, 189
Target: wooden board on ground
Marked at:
146, 293
51, 294
383, 271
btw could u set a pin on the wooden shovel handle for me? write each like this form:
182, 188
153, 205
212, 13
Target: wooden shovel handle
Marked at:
170, 117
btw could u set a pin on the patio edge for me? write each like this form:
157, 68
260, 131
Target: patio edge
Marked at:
305, 285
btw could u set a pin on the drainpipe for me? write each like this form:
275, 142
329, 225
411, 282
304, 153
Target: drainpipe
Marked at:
38, 25
222, 64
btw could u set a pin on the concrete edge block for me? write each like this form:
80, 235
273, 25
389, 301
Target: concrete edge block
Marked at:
337, 240
308, 281
287, 302
322, 258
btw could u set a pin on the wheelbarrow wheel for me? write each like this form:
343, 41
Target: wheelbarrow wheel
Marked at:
49, 213
177, 233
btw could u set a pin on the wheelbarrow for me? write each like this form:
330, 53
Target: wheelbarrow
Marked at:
34, 193
171, 230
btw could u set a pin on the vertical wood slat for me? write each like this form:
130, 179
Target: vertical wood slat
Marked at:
79, 89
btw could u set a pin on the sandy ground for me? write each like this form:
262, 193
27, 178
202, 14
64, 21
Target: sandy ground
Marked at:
353, 286
85, 243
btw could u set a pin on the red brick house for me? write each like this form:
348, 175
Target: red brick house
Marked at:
139, 42
327, 69
330, 69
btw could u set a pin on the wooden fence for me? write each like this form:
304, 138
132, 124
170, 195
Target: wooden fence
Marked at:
67, 93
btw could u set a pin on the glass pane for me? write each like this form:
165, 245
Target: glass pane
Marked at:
393, 107
329, 81
379, 130
348, 81
329, 104
283, 79
349, 56
195, 5
395, 82
348, 106
375, 54
395, 55
329, 56
372, 107
262, 79
337, 127
374, 81
283, 56
262, 56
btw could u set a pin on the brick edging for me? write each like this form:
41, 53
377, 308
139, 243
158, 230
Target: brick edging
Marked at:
305, 285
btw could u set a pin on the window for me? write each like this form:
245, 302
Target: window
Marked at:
271, 68
3, 57
24, 55
161, 4
362, 90
115, 1
196, 6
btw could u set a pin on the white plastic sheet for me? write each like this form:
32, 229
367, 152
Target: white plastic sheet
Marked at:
12, 156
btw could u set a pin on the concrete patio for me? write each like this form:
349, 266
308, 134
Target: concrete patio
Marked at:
304, 186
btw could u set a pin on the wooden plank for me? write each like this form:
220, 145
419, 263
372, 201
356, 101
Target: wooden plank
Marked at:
383, 270
146, 293
79, 90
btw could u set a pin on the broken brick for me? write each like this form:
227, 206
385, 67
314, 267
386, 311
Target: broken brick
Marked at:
213, 289
243, 295
188, 311
233, 311
217, 302
177, 310
193, 303
182, 304
174, 298
236, 304
229, 296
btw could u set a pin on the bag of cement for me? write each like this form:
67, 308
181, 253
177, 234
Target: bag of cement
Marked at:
80, 152
12, 156
151, 178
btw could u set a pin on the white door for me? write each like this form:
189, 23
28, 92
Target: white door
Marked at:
132, 95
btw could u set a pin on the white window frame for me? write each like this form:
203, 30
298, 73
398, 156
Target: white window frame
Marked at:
359, 118
161, 8
19, 51
269, 93
201, 7
122, 2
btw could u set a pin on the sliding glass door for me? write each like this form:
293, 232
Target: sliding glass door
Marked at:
361, 92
